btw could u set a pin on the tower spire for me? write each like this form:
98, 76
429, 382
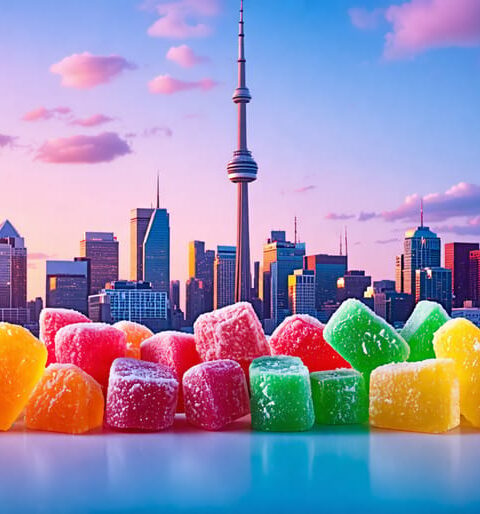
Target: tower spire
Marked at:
421, 212
341, 249
346, 241
296, 230
158, 190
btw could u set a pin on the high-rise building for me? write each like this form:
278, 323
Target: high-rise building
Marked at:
67, 285
194, 300
224, 276
399, 267
475, 277
301, 292
101, 248
434, 284
175, 294
200, 266
34, 308
394, 307
383, 286
139, 221
256, 280
353, 284
328, 269
13, 268
156, 251
457, 259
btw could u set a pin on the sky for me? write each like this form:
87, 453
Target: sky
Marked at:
360, 109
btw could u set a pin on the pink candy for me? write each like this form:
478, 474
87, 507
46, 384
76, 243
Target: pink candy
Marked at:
51, 321
141, 395
215, 394
173, 349
92, 347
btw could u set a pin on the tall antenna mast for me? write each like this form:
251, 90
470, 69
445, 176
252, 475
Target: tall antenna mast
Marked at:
341, 250
421, 212
296, 230
346, 242
158, 190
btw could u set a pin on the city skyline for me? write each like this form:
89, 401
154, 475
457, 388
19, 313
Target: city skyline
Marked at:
330, 143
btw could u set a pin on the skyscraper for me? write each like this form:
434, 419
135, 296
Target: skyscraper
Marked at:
139, 220
352, 285
457, 259
242, 169
301, 292
101, 248
67, 285
434, 284
13, 268
328, 269
195, 298
475, 277
200, 266
224, 276
175, 294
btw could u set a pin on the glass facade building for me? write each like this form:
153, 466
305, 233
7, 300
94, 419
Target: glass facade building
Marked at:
457, 259
301, 292
201, 267
67, 285
434, 284
13, 268
156, 251
328, 269
139, 221
224, 276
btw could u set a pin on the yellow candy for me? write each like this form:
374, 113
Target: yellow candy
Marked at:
459, 339
416, 396
22, 361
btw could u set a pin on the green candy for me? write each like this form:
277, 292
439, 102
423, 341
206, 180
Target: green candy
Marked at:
281, 396
340, 397
420, 328
364, 339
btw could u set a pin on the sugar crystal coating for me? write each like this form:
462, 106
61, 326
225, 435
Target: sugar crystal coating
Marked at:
141, 395
135, 334
65, 400
22, 362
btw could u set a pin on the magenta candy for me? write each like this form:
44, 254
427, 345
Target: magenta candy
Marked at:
141, 396
51, 321
215, 394
92, 347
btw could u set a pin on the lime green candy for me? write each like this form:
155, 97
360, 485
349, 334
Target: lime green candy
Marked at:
364, 339
340, 397
281, 398
420, 328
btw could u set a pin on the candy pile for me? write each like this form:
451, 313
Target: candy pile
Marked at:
355, 369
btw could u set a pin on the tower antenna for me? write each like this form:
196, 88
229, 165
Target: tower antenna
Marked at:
296, 230
421, 212
341, 249
158, 190
346, 241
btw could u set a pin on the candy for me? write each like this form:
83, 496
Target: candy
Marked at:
340, 397
175, 350
416, 396
362, 338
215, 394
418, 332
459, 339
92, 347
51, 321
65, 400
135, 334
281, 398
302, 336
22, 362
141, 395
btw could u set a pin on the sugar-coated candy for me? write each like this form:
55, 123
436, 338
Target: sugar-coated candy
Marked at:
176, 350
51, 321
141, 396
22, 362
281, 395
340, 397
301, 336
92, 347
416, 396
459, 339
215, 394
65, 400
364, 339
233, 332
420, 327
135, 334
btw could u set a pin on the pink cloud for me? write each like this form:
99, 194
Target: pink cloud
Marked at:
166, 85
419, 25
472, 228
180, 19
84, 71
339, 216
387, 241
104, 147
305, 189
155, 131
364, 19
42, 113
366, 216
92, 121
7, 141
184, 56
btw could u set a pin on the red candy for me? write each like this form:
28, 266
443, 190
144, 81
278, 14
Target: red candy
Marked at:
92, 347
175, 350
302, 336
215, 394
141, 396
51, 321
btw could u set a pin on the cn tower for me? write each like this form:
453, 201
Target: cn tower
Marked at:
242, 169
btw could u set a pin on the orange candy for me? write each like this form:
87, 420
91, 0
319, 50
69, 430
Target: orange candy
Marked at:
65, 400
22, 361
136, 334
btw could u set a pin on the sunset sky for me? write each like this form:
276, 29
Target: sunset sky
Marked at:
359, 109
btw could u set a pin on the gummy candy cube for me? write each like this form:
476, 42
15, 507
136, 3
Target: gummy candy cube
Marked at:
22, 362
175, 350
215, 394
416, 396
281, 398
301, 336
340, 397
65, 400
51, 321
135, 334
233, 332
364, 339
420, 327
459, 339
92, 347
141, 395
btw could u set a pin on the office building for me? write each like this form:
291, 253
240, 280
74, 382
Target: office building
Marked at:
353, 284
195, 299
139, 221
457, 259
67, 285
394, 307
301, 292
224, 276
434, 284
470, 313
156, 251
13, 268
175, 294
474, 270
201, 267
